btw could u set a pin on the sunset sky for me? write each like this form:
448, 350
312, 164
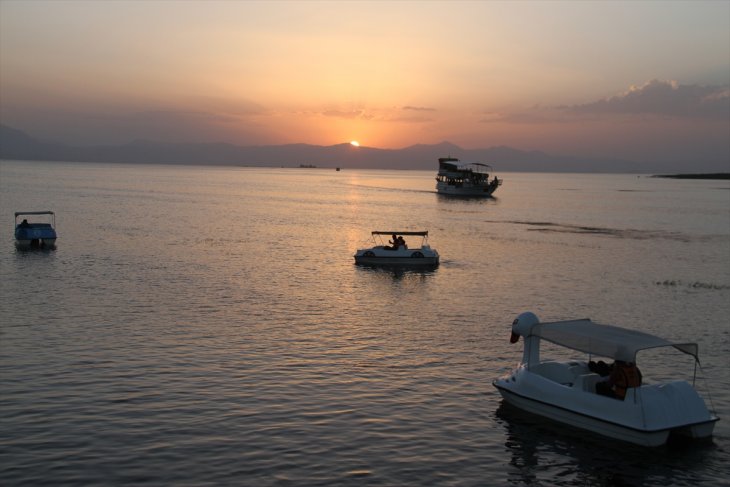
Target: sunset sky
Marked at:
637, 80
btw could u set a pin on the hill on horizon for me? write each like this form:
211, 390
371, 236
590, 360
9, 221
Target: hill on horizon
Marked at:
18, 145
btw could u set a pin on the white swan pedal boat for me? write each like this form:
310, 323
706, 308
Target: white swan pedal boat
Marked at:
398, 255
566, 391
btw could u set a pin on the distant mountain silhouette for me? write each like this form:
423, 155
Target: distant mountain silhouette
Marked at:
15, 144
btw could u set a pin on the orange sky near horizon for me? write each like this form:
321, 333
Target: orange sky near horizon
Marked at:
638, 80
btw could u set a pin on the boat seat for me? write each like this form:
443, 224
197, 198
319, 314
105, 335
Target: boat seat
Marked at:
630, 394
554, 371
587, 382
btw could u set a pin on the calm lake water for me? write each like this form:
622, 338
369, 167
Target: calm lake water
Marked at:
208, 326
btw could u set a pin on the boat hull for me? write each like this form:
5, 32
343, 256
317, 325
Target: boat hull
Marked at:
644, 419
42, 243
35, 236
566, 416
397, 261
380, 256
465, 189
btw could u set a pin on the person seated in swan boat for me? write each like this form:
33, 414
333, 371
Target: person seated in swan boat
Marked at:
622, 375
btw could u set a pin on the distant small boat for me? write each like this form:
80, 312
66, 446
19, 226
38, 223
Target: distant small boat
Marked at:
627, 409
465, 179
397, 254
36, 234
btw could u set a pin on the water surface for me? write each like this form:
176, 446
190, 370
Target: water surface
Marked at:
208, 326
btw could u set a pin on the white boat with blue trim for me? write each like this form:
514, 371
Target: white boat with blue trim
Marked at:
566, 391
39, 233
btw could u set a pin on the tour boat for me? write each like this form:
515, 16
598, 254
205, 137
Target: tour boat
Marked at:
566, 391
398, 254
467, 179
37, 234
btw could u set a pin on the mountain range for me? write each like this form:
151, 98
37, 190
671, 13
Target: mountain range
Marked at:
18, 145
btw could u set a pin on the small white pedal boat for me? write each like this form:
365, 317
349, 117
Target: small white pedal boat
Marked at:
398, 253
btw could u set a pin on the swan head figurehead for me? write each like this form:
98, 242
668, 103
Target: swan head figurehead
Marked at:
522, 325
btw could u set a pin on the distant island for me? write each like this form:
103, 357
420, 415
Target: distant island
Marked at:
716, 175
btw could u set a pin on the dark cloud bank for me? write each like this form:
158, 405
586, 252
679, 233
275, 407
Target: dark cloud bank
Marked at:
665, 98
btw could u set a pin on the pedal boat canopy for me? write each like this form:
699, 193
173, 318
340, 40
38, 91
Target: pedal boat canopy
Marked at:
604, 340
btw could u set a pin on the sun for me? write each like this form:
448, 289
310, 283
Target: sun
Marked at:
355, 143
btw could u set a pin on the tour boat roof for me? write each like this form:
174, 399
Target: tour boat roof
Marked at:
604, 340
456, 165
379, 232
17, 213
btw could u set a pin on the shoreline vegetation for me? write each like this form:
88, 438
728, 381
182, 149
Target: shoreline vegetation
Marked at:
716, 175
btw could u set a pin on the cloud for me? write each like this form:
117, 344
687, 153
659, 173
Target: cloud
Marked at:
406, 114
419, 109
409, 114
173, 117
534, 115
84, 127
656, 98
409, 119
664, 98
350, 114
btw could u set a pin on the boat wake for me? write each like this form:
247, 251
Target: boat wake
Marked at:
391, 189
693, 285
550, 227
